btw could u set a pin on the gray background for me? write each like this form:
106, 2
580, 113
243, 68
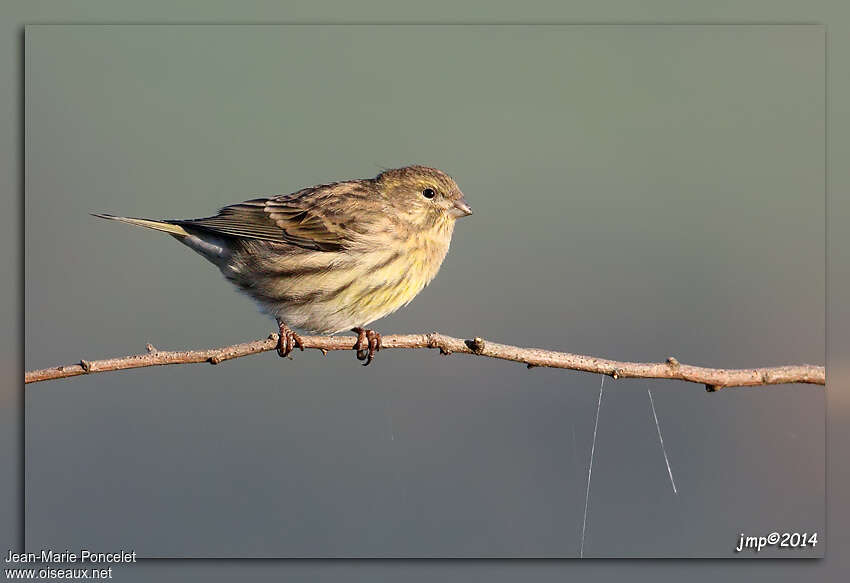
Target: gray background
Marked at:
639, 192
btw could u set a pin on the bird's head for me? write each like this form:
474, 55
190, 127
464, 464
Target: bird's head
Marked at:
422, 195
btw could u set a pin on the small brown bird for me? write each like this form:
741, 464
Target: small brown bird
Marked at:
331, 257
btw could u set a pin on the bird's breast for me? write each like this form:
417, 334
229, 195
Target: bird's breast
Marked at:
392, 277
334, 292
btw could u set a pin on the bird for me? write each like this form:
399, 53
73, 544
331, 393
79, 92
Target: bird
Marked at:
332, 257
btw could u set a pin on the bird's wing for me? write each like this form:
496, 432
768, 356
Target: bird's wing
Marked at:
314, 218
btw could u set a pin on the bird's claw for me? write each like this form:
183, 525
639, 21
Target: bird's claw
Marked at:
368, 343
287, 340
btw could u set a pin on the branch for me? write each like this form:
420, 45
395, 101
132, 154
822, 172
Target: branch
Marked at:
713, 378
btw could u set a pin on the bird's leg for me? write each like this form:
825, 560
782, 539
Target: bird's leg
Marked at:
368, 343
287, 339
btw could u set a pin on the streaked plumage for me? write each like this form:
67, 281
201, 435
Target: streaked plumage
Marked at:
335, 256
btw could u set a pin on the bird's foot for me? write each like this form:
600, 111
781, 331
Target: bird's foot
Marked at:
368, 343
287, 340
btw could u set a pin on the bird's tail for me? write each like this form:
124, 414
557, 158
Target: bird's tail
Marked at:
148, 223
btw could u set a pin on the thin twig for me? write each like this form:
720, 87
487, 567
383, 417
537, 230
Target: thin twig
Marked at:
661, 440
590, 469
713, 378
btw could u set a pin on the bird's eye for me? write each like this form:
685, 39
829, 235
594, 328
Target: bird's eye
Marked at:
429, 193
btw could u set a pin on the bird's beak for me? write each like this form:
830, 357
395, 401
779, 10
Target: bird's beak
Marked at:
460, 209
